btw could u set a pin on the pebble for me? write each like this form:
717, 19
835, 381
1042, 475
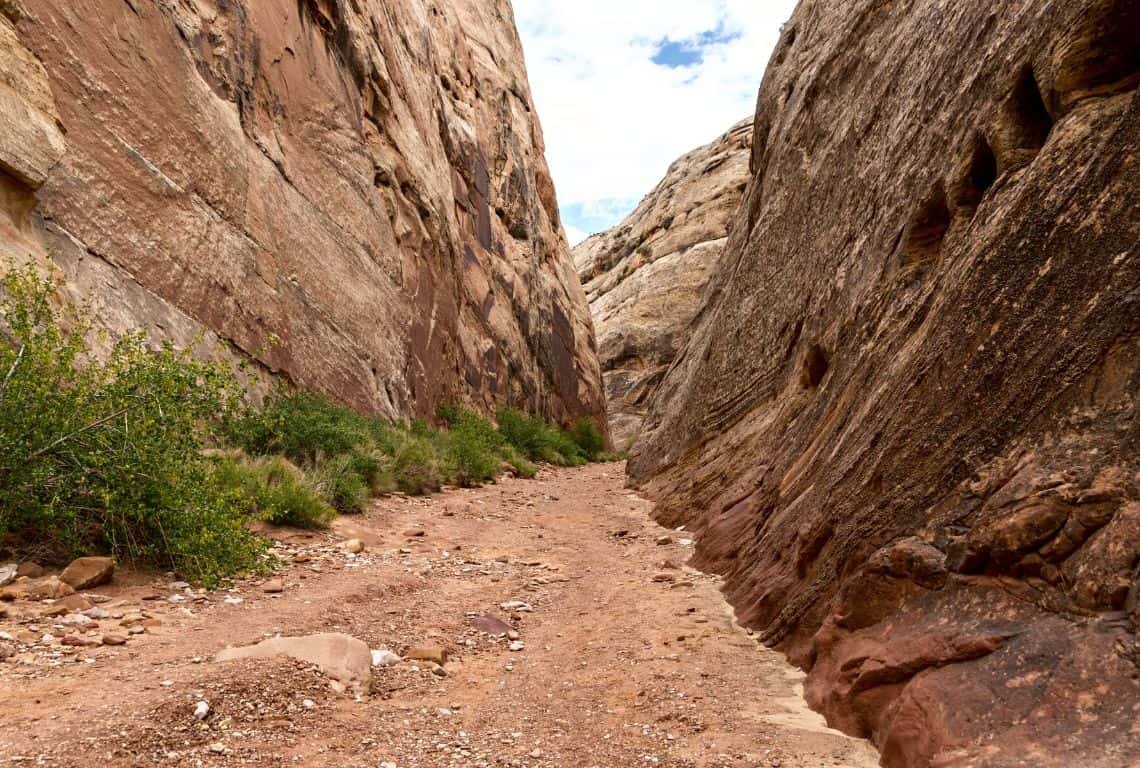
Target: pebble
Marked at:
273, 587
354, 546
664, 541
201, 710
517, 645
114, 638
308, 703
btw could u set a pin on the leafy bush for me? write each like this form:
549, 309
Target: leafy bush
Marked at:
416, 466
342, 485
474, 449
301, 426
103, 456
275, 490
537, 440
588, 437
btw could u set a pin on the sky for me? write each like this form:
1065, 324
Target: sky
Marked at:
625, 87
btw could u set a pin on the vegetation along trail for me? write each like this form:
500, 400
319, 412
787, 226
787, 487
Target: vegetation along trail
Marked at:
612, 652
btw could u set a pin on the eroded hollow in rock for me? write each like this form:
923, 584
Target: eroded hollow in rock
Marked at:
979, 176
1029, 120
815, 367
927, 230
1100, 55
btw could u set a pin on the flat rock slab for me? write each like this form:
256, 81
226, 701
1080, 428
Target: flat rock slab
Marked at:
341, 657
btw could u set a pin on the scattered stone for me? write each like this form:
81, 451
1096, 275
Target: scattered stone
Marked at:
664, 541
29, 570
308, 703
517, 645
80, 641
273, 587
664, 578
491, 625
218, 748
88, 572
338, 656
432, 653
7, 650
8, 574
48, 588
301, 559
201, 710
136, 630
114, 638
415, 533
671, 565
66, 605
355, 546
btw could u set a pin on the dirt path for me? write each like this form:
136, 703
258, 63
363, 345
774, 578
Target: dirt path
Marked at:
628, 660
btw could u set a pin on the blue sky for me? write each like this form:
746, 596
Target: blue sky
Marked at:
624, 87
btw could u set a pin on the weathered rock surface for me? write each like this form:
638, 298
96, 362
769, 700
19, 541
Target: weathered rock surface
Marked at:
905, 426
352, 194
644, 278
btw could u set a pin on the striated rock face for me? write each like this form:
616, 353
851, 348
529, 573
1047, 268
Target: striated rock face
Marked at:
353, 194
905, 427
644, 278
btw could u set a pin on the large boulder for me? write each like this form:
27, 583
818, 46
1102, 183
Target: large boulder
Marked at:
88, 572
904, 427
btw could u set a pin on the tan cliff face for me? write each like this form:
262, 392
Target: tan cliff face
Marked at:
905, 426
644, 278
353, 194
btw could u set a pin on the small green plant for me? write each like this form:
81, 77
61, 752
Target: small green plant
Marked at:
104, 455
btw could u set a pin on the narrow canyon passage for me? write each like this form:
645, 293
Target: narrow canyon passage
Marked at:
623, 656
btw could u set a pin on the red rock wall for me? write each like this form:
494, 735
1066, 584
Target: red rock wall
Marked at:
353, 194
905, 426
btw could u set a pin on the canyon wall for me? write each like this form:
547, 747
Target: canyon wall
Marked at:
351, 193
644, 278
905, 426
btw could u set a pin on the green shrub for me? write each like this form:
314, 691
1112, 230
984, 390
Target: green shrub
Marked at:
341, 485
104, 456
448, 413
275, 490
301, 426
519, 463
538, 440
416, 465
474, 449
588, 437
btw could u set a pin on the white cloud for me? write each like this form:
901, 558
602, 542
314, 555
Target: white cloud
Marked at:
575, 235
613, 118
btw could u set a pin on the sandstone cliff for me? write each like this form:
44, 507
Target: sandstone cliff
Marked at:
353, 194
905, 427
644, 278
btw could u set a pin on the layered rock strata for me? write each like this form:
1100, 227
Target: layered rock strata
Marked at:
905, 427
352, 194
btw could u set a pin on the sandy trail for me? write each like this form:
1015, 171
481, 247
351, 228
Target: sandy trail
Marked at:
618, 669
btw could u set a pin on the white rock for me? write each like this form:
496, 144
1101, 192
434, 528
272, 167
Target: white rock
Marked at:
382, 657
201, 710
308, 703
516, 605
518, 645
7, 574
